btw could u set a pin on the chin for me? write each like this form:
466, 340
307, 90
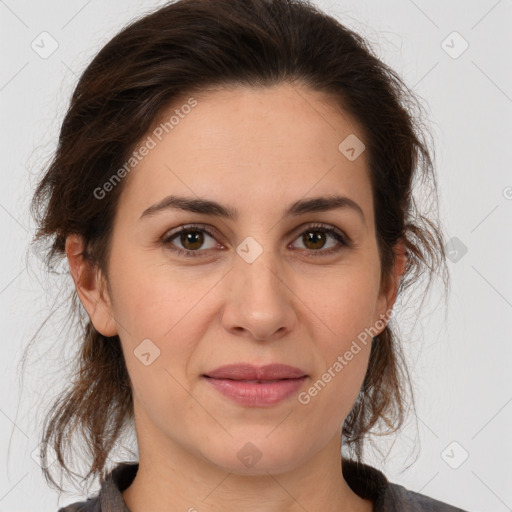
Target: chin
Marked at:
259, 457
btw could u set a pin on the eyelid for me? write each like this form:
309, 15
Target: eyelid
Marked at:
335, 232
189, 227
321, 226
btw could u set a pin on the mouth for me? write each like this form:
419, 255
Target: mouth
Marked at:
260, 381
252, 386
249, 372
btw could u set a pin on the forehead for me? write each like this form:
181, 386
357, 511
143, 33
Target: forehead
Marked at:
250, 148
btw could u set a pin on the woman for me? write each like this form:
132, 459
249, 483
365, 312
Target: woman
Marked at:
233, 193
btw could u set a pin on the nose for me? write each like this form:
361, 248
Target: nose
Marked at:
259, 302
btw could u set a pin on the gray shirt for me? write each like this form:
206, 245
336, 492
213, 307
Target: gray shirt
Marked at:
364, 480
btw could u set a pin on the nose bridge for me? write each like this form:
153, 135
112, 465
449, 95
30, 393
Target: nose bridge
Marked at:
260, 277
259, 302
259, 270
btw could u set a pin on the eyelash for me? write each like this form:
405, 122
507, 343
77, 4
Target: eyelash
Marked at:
326, 229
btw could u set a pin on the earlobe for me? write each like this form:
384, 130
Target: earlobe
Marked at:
90, 287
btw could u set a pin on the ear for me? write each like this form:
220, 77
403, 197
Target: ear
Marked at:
91, 287
389, 290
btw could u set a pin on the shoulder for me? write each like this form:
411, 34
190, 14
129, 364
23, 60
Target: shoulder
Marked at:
110, 495
370, 483
398, 497
91, 505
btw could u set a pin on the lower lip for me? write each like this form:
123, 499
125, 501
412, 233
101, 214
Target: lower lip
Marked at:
257, 393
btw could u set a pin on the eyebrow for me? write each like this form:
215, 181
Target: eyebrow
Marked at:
212, 208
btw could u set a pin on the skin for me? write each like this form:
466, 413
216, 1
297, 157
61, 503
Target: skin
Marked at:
257, 150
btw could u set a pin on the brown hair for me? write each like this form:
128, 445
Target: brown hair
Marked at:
186, 47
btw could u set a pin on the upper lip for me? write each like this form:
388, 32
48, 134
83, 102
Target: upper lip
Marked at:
247, 371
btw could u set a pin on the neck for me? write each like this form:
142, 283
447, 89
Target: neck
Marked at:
176, 480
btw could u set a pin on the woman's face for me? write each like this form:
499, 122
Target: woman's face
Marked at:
262, 286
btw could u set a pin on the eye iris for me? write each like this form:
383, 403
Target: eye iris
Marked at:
314, 237
192, 240
196, 238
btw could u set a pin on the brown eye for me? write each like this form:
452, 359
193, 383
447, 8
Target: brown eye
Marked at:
314, 240
192, 240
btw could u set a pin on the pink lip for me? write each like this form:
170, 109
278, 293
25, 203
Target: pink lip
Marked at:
246, 371
247, 384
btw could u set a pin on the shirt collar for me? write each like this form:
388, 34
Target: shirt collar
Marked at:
366, 481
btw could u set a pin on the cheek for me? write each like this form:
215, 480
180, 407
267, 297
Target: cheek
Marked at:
330, 395
341, 307
160, 313
153, 297
342, 302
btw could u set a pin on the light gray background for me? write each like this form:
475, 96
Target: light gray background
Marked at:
460, 367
